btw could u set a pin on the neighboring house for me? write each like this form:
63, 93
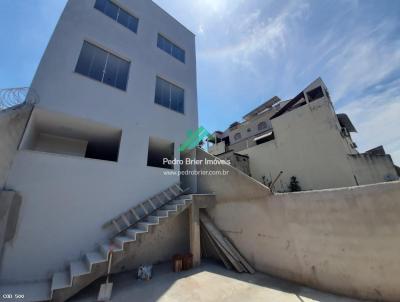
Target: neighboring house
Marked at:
305, 138
117, 87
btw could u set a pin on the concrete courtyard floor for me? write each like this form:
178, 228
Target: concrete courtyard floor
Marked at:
209, 282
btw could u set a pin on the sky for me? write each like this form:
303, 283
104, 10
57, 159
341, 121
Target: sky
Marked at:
251, 50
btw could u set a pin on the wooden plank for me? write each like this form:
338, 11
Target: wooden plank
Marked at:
235, 263
231, 252
224, 246
214, 232
247, 265
203, 243
223, 258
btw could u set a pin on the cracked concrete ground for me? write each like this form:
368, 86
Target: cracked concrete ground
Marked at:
209, 282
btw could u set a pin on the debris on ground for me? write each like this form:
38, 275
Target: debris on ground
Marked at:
144, 272
224, 248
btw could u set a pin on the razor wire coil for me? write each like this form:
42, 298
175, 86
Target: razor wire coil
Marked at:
12, 98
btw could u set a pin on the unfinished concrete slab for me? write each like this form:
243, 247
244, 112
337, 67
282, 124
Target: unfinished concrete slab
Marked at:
208, 282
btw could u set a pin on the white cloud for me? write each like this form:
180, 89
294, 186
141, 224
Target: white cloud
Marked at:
253, 34
376, 117
363, 58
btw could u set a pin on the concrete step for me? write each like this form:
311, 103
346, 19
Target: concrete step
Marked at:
163, 213
152, 219
121, 240
107, 247
169, 207
178, 202
60, 280
95, 257
146, 225
78, 268
33, 292
134, 232
186, 197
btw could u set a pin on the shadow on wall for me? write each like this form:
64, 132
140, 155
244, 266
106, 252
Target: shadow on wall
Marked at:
12, 126
344, 240
10, 204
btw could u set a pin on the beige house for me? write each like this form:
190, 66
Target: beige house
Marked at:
305, 138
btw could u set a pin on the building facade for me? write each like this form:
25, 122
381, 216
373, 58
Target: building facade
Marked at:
117, 87
305, 138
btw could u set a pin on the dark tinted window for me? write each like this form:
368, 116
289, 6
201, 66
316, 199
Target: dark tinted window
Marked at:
169, 95
118, 14
85, 59
102, 66
100, 4
133, 24
262, 125
171, 48
178, 53
112, 68
123, 18
111, 10
315, 94
122, 76
98, 63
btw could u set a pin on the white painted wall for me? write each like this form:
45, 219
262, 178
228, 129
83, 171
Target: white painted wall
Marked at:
343, 240
308, 145
12, 125
61, 145
67, 199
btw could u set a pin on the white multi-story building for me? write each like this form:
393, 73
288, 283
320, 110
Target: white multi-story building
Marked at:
117, 87
305, 138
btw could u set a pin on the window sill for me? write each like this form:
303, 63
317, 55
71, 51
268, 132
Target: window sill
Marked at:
100, 82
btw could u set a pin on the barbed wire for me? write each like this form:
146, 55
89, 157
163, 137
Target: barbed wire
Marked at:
11, 98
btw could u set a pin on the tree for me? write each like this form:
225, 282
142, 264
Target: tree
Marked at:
294, 185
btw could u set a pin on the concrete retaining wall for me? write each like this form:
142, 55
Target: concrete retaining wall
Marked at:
370, 169
345, 240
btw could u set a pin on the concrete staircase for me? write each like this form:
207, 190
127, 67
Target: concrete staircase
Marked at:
93, 265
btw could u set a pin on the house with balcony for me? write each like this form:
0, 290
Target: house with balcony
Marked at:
304, 138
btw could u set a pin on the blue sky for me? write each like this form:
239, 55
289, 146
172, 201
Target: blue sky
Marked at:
251, 50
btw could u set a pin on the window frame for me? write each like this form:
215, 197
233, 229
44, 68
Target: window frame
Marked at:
128, 12
104, 68
171, 84
172, 48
